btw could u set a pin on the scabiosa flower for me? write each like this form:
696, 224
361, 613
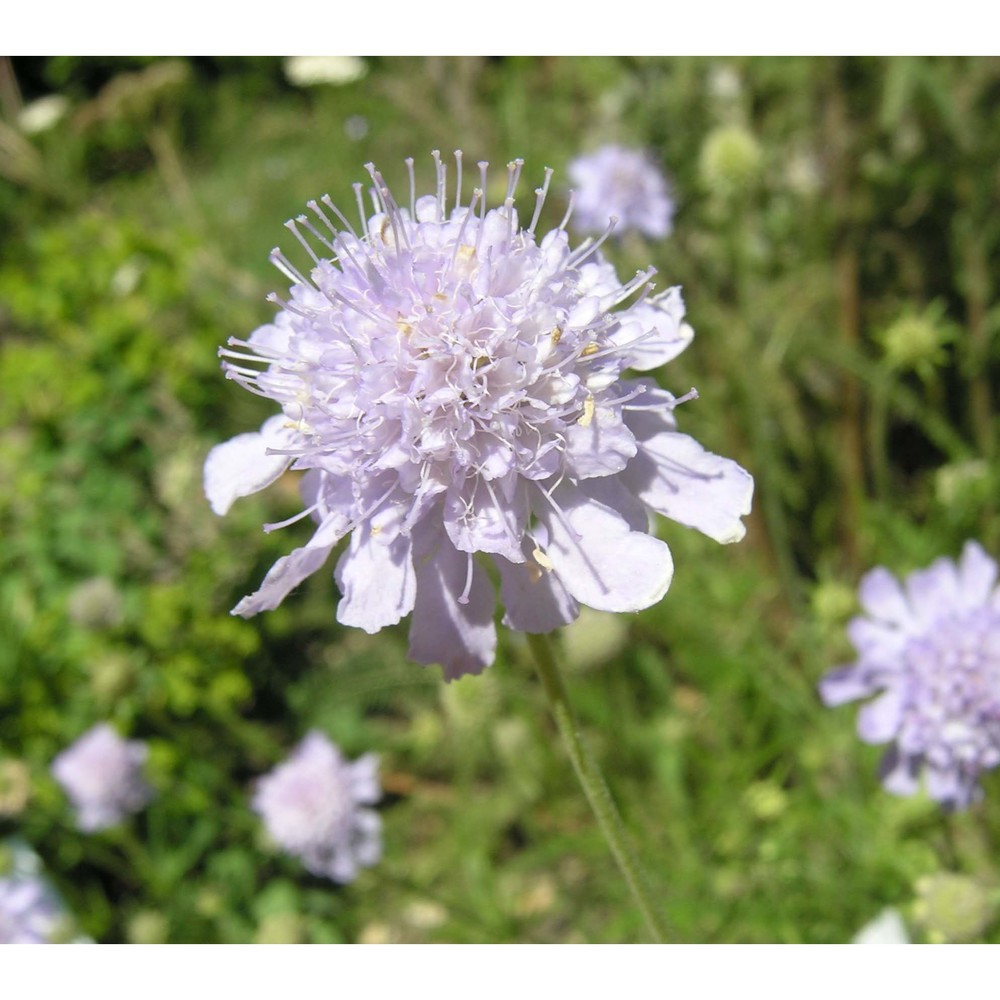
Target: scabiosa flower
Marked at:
620, 183
102, 775
453, 386
312, 806
931, 649
29, 910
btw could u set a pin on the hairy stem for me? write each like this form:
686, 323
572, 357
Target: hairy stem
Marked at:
592, 781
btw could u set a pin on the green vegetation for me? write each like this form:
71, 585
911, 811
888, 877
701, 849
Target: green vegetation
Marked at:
837, 240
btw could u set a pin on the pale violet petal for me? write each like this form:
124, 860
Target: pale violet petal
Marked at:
653, 332
977, 575
886, 928
242, 466
845, 684
487, 521
878, 721
534, 597
882, 597
933, 591
460, 637
675, 476
600, 560
600, 445
375, 575
289, 571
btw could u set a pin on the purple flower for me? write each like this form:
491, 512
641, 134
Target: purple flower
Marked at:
102, 775
624, 184
930, 649
29, 910
312, 807
452, 385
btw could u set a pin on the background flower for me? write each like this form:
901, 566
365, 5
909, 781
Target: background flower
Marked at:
102, 775
623, 183
312, 806
931, 650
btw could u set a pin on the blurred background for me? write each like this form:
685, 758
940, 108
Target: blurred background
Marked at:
836, 236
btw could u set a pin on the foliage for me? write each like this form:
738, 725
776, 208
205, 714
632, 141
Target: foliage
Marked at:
834, 237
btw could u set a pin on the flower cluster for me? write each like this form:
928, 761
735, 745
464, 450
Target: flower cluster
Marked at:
624, 184
931, 650
102, 775
29, 911
453, 385
312, 806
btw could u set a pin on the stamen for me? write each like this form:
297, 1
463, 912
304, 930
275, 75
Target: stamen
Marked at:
513, 176
458, 179
413, 188
359, 198
540, 194
464, 599
304, 221
294, 230
569, 211
328, 201
439, 170
275, 525
282, 263
591, 246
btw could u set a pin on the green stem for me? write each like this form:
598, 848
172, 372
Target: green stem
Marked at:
590, 777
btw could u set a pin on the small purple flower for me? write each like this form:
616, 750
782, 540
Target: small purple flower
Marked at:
624, 184
453, 387
102, 775
29, 910
931, 650
312, 805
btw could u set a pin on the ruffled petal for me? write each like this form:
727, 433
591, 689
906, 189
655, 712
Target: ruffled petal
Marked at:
289, 571
599, 446
600, 560
487, 521
845, 684
883, 598
878, 721
654, 331
933, 591
375, 575
534, 597
674, 475
871, 638
461, 637
977, 575
900, 773
242, 466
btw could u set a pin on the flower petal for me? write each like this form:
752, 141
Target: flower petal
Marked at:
534, 597
977, 575
600, 446
675, 476
653, 332
882, 597
375, 575
487, 521
845, 684
461, 637
600, 560
878, 721
242, 466
289, 571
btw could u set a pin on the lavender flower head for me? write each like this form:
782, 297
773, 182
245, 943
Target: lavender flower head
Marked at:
102, 775
930, 649
624, 184
29, 910
453, 386
312, 805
